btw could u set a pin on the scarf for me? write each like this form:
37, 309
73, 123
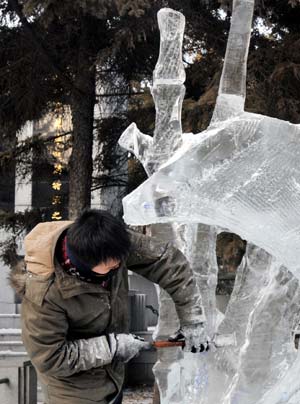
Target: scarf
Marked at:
68, 266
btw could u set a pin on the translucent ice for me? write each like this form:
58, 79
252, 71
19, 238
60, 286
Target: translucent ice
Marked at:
199, 246
241, 174
168, 322
287, 391
168, 93
252, 276
169, 67
268, 349
196, 241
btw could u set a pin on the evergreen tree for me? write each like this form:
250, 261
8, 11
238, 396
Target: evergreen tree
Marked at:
53, 51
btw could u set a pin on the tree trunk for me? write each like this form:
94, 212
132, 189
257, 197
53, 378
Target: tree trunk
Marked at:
82, 107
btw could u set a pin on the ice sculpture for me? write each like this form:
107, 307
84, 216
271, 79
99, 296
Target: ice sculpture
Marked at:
168, 92
250, 185
240, 174
168, 79
288, 390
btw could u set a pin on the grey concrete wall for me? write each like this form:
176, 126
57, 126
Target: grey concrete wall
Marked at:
7, 296
142, 285
9, 392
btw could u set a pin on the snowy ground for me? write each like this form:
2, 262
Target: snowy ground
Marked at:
138, 395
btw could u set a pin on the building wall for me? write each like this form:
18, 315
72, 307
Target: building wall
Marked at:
7, 296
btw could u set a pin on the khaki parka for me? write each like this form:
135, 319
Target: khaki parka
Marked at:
63, 318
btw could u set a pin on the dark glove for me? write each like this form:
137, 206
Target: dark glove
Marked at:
194, 337
127, 346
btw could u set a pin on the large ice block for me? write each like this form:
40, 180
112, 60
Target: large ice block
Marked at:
253, 274
287, 391
268, 350
240, 174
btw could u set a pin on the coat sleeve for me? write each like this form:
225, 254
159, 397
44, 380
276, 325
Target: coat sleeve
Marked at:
44, 333
167, 266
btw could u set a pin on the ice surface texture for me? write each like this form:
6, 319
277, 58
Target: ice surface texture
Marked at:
264, 310
243, 175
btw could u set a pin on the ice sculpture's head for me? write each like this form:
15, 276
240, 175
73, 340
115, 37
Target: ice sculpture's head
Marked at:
97, 244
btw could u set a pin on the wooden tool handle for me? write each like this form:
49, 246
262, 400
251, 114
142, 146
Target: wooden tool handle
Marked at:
219, 341
167, 344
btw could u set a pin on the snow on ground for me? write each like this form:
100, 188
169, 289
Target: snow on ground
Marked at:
138, 395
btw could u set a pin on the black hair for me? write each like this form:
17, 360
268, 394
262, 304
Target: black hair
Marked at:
97, 236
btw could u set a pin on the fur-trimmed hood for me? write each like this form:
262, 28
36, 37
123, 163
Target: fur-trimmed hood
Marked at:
17, 278
39, 254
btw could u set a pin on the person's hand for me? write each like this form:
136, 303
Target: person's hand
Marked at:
194, 337
127, 346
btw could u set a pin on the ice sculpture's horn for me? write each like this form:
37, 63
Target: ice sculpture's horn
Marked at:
232, 89
168, 89
168, 92
233, 80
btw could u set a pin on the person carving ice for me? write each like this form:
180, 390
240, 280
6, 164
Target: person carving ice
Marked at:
74, 306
